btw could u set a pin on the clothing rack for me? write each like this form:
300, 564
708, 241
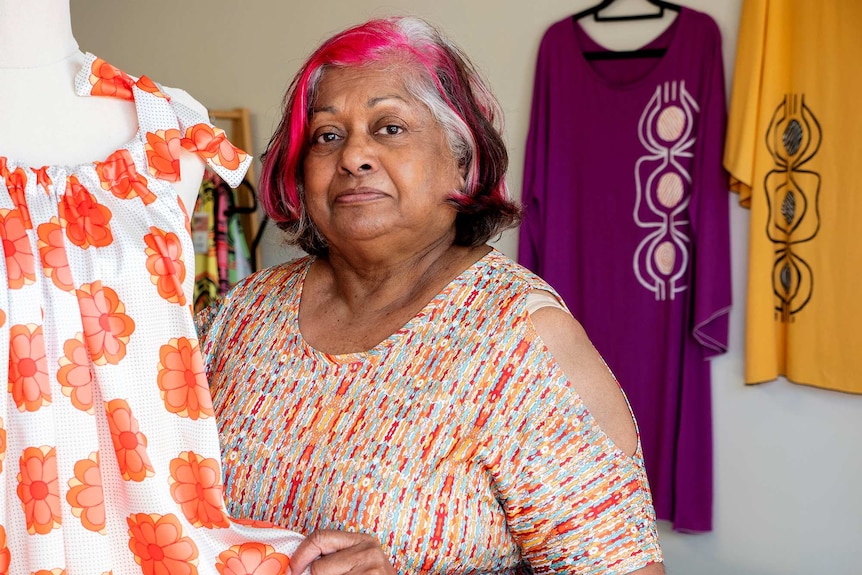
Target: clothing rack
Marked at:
236, 123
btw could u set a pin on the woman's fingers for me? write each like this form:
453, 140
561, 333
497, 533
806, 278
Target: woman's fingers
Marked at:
330, 552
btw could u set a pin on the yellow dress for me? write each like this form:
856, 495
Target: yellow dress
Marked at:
793, 149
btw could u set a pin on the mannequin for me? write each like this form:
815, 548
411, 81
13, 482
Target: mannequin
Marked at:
104, 466
51, 125
109, 454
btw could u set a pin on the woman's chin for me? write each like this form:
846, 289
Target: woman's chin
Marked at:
358, 233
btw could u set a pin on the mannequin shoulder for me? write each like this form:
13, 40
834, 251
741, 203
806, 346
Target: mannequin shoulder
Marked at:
183, 97
191, 165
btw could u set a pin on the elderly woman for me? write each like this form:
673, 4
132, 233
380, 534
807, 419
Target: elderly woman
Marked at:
405, 383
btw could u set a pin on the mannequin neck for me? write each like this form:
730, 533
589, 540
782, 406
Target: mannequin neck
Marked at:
35, 33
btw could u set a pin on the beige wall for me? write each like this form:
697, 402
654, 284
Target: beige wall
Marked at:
229, 54
787, 466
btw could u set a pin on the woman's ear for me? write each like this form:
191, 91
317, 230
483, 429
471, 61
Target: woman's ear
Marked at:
462, 172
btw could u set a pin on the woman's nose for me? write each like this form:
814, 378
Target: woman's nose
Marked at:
357, 155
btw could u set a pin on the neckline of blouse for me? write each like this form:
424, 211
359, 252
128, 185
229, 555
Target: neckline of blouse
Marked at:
383, 346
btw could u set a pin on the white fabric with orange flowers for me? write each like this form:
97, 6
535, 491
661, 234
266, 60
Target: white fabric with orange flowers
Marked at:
109, 453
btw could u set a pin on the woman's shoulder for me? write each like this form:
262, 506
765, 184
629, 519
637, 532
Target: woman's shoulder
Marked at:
521, 278
271, 283
280, 277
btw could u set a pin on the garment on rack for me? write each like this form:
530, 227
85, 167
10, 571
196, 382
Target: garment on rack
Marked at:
794, 151
626, 215
109, 454
221, 252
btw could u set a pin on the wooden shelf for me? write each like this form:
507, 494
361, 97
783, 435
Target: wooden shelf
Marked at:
237, 124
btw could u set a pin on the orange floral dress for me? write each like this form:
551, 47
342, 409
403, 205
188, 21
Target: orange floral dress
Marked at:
109, 453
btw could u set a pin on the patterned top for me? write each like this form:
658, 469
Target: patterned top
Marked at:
109, 454
457, 441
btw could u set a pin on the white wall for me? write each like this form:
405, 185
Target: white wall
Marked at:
788, 471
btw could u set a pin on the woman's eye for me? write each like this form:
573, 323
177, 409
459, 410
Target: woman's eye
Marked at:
390, 130
325, 138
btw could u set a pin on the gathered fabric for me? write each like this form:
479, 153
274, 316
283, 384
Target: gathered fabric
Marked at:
109, 454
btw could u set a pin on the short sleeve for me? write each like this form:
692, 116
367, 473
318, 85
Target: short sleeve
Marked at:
573, 502
531, 240
709, 210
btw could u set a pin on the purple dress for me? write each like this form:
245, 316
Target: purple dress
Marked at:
626, 215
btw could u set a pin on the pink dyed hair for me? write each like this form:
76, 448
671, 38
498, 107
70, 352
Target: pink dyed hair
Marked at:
446, 82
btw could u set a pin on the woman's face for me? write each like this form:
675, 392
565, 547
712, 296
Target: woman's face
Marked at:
378, 166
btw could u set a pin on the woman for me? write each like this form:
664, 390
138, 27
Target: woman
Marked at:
405, 380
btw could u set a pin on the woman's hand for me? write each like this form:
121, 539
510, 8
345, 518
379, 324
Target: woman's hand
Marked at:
330, 552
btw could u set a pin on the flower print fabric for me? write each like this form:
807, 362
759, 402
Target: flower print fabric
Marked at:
109, 454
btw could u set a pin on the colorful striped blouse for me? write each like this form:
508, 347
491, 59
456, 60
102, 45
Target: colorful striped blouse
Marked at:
457, 441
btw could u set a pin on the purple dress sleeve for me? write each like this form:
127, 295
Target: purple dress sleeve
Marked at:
535, 171
709, 211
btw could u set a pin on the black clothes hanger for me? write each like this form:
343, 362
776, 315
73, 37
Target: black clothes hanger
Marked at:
594, 12
234, 209
625, 54
261, 228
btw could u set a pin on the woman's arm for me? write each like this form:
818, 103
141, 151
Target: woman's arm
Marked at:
651, 569
568, 343
576, 494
